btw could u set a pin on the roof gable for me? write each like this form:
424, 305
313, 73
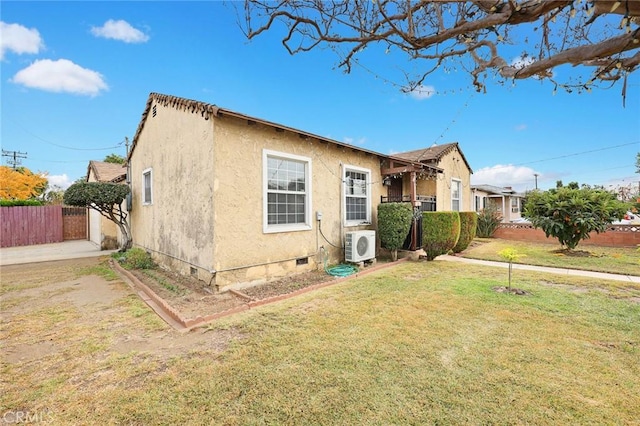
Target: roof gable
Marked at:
433, 154
107, 172
499, 190
208, 111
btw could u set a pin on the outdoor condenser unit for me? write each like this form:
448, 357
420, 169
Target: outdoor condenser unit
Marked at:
360, 246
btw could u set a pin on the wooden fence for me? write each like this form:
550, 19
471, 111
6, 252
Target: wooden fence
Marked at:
614, 236
29, 225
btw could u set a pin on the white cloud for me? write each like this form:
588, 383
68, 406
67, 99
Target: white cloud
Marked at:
61, 76
518, 177
59, 181
120, 30
422, 92
353, 141
521, 127
522, 61
18, 39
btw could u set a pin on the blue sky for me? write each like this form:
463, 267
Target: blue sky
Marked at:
76, 77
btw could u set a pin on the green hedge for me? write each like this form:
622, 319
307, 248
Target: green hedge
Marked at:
440, 232
17, 203
468, 225
394, 223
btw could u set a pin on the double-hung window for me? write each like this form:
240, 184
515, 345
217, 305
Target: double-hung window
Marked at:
147, 187
456, 190
287, 192
515, 205
357, 195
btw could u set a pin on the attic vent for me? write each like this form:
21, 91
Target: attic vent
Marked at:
154, 111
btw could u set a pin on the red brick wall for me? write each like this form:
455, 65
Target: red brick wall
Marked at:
615, 236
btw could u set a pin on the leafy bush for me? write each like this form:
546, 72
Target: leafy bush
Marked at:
468, 225
16, 203
488, 221
135, 258
569, 213
394, 223
440, 232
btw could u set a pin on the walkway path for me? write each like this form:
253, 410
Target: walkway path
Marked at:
561, 271
48, 252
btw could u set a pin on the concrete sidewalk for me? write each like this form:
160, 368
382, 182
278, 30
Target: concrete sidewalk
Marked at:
560, 271
48, 252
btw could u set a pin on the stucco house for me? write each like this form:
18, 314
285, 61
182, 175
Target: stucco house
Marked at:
102, 231
236, 200
508, 203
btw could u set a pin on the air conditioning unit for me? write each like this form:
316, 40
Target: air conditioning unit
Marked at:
360, 246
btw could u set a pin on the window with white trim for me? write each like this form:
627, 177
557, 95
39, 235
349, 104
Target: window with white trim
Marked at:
147, 187
456, 190
287, 192
357, 195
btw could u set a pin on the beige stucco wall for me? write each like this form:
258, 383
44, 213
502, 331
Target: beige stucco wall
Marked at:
177, 227
207, 210
454, 168
240, 240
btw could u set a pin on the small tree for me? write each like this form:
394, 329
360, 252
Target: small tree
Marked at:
570, 214
440, 232
488, 221
510, 255
106, 198
21, 183
394, 223
468, 225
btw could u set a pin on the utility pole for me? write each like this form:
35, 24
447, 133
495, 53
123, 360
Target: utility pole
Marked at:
14, 157
536, 176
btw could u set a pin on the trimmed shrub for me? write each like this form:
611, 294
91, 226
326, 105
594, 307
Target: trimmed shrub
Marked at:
394, 223
488, 221
440, 232
17, 203
468, 224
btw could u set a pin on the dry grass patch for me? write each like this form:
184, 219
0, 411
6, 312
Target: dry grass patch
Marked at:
437, 347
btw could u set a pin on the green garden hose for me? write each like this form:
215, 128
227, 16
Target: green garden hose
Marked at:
341, 270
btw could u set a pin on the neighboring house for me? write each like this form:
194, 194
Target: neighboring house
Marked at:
507, 202
103, 231
236, 200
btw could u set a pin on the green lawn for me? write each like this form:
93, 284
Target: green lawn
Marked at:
617, 260
417, 343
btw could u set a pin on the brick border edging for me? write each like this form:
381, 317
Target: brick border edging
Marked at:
188, 324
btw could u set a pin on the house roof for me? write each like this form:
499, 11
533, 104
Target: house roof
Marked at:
498, 190
210, 110
433, 154
107, 172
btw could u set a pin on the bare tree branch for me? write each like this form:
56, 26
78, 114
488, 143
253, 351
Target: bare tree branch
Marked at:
600, 36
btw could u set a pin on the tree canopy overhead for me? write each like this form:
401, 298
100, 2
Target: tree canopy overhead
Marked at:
601, 37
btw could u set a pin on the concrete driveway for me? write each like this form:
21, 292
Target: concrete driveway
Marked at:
47, 252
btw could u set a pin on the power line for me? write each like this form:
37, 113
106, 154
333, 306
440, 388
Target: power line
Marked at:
64, 146
577, 153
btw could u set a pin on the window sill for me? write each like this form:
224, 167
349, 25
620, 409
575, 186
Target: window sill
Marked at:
274, 229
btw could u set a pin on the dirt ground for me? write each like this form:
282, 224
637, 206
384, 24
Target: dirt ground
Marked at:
41, 302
